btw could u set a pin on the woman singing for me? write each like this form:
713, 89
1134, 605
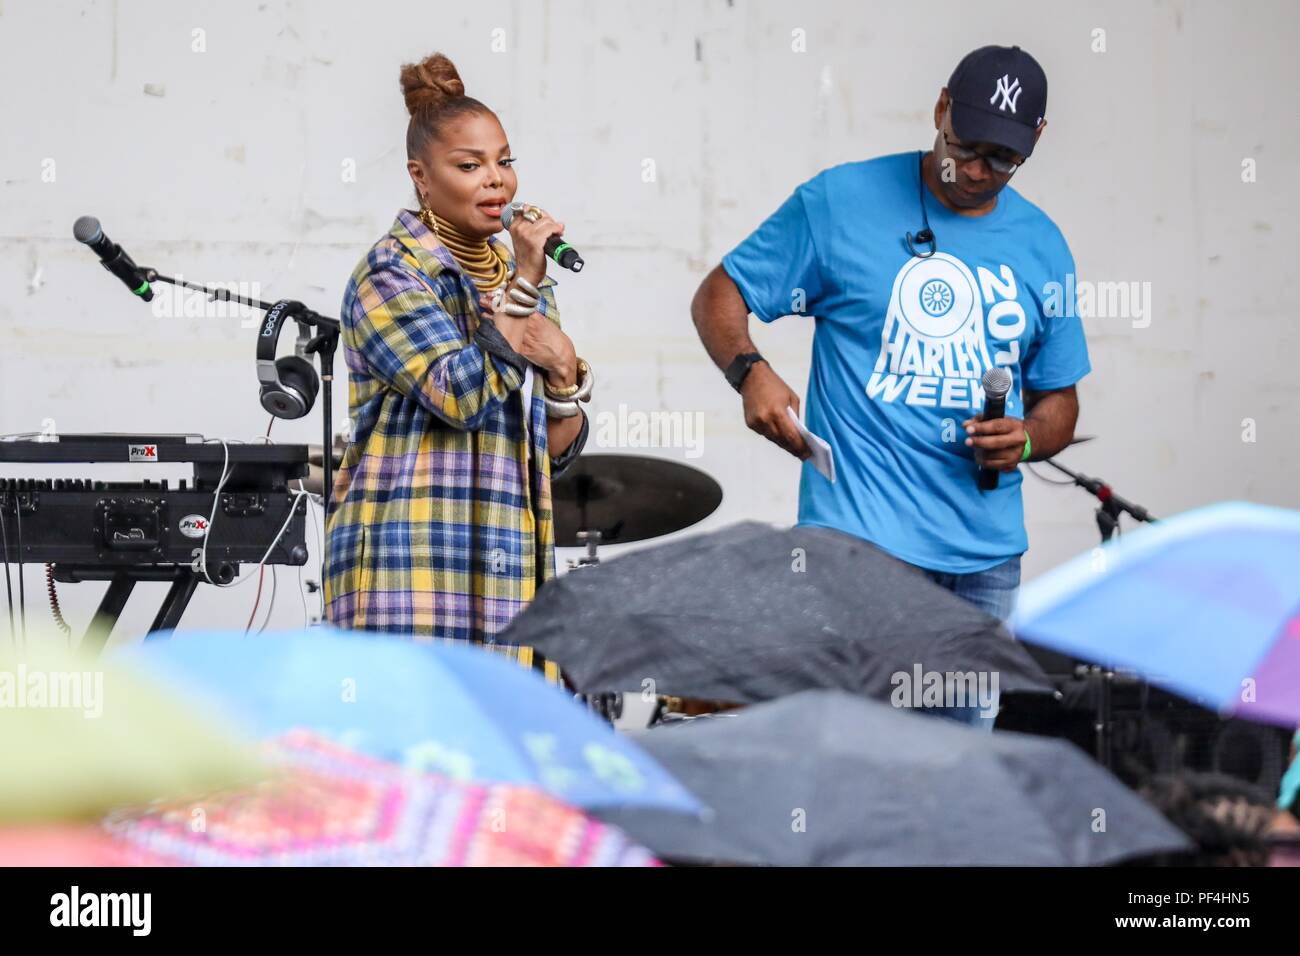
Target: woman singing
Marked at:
463, 391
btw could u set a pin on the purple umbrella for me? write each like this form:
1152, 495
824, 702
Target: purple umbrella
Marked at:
1206, 604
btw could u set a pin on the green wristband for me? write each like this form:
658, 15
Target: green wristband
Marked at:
1024, 456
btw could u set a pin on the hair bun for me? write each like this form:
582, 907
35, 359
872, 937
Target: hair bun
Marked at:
432, 80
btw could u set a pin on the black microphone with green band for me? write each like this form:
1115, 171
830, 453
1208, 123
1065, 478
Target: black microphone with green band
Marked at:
556, 248
111, 256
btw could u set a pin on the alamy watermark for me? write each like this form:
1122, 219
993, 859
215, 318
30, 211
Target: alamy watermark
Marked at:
177, 302
30, 687
632, 428
1098, 300
945, 689
129, 910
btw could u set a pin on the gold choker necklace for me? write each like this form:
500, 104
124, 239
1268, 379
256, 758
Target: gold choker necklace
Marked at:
477, 257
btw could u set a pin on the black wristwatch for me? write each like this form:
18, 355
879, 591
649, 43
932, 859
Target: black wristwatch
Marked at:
740, 367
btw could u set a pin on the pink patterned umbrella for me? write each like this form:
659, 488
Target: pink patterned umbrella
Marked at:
68, 844
330, 806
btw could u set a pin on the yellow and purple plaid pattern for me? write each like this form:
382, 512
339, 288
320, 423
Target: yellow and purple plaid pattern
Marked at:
441, 525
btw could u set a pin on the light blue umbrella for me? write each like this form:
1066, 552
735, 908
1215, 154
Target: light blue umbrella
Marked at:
1206, 603
1289, 789
455, 710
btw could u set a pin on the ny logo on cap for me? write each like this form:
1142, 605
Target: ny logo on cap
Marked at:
1009, 90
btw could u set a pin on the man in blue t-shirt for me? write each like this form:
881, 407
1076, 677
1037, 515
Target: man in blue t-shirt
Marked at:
923, 270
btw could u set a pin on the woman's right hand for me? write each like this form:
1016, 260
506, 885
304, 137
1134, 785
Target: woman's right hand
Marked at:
529, 240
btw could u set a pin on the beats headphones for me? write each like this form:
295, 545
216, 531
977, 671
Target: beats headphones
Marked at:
289, 384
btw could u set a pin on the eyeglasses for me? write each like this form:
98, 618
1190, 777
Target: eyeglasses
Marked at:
964, 154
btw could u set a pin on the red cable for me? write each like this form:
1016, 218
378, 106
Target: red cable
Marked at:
258, 600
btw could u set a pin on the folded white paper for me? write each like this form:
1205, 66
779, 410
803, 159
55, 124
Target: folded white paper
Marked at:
822, 458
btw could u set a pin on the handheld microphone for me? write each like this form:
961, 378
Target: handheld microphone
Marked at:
111, 256
997, 383
556, 248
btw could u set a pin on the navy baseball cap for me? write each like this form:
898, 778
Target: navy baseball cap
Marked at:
999, 96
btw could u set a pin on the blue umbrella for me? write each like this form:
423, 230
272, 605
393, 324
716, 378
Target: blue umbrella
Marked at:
454, 710
1206, 604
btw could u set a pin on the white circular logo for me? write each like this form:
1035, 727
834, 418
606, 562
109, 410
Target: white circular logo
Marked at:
193, 526
935, 297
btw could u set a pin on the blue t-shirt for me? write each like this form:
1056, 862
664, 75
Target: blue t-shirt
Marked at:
901, 344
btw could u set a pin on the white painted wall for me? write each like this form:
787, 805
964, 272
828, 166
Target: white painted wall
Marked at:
230, 169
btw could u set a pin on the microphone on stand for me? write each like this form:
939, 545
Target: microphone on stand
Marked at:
997, 383
556, 248
112, 257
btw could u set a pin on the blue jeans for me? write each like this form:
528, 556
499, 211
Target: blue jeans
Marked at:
993, 591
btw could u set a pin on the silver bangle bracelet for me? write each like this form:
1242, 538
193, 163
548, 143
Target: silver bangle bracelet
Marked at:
561, 409
521, 302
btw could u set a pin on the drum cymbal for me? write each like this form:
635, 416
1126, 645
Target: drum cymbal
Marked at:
629, 498
316, 454
315, 479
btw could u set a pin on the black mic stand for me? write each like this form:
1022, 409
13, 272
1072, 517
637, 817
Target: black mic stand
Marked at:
1108, 515
323, 343
1112, 505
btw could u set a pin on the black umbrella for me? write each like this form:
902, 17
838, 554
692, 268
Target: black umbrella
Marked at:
751, 613
829, 779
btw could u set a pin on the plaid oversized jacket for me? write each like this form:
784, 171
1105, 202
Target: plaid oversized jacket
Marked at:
441, 524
